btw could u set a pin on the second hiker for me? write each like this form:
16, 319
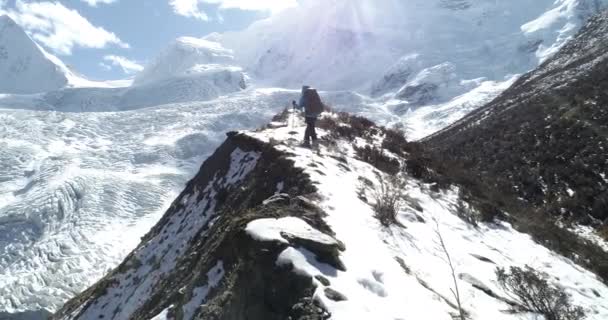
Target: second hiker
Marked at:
310, 101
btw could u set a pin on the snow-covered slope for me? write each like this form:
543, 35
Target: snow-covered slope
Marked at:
24, 68
188, 69
27, 68
391, 45
270, 230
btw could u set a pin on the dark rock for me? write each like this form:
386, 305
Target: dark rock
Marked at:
334, 295
308, 309
328, 253
403, 265
324, 281
481, 258
279, 198
419, 94
306, 203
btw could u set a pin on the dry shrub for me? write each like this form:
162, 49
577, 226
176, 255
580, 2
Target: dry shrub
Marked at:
395, 142
535, 294
377, 158
387, 195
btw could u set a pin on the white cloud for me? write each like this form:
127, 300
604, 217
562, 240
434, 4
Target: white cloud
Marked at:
93, 3
59, 28
190, 8
127, 66
105, 66
258, 5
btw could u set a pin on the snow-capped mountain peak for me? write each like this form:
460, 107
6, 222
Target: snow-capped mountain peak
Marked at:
352, 44
24, 66
187, 56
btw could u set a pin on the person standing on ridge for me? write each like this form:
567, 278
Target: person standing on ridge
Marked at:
310, 101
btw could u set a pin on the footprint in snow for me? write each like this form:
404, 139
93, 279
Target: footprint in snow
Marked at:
378, 276
374, 287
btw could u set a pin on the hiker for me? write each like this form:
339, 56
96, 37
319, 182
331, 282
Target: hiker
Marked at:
310, 101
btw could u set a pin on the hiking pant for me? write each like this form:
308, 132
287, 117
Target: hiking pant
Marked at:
310, 129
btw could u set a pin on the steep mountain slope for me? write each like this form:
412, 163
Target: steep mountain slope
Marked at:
269, 230
537, 152
545, 138
23, 65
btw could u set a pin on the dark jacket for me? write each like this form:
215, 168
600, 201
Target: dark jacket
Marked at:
303, 104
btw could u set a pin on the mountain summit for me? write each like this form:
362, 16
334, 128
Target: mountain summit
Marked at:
24, 66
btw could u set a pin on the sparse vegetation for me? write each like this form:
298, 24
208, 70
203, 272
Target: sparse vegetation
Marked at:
604, 232
379, 159
346, 126
485, 194
466, 214
387, 195
535, 294
395, 142
282, 116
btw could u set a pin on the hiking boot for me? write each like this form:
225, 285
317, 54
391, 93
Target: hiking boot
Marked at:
305, 144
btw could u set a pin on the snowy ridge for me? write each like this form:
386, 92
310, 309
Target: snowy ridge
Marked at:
395, 272
374, 281
80, 188
137, 285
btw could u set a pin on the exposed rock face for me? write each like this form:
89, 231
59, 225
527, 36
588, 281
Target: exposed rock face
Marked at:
199, 250
545, 138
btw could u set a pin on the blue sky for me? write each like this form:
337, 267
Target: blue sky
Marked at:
112, 39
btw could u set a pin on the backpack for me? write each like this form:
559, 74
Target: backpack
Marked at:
314, 106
